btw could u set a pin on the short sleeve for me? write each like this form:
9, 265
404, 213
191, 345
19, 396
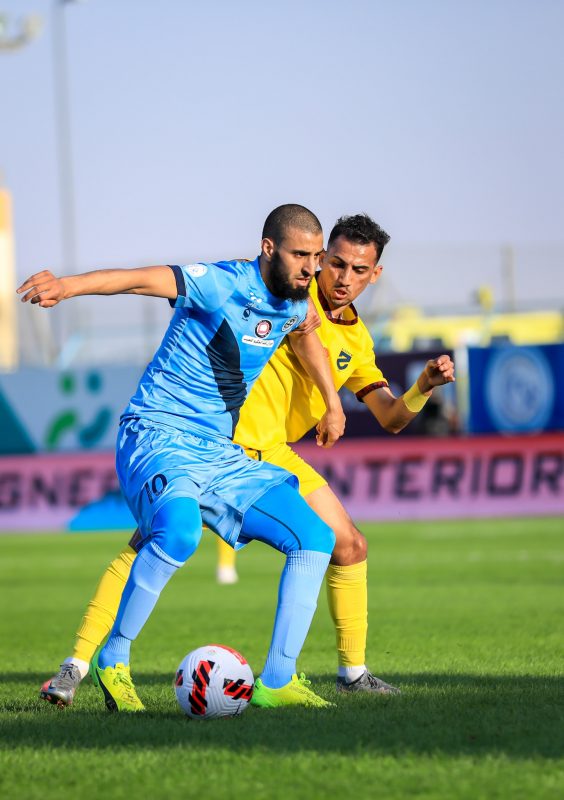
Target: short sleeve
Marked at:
205, 287
299, 317
366, 378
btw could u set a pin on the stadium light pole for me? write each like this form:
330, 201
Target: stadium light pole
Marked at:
63, 135
508, 276
64, 146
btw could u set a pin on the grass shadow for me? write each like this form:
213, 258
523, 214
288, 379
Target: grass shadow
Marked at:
516, 715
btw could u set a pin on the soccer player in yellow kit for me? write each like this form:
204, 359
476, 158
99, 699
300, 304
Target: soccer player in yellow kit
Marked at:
282, 406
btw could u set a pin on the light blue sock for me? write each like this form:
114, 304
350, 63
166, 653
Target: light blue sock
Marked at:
297, 600
151, 571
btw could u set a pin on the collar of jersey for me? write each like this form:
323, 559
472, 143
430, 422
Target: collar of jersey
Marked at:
325, 306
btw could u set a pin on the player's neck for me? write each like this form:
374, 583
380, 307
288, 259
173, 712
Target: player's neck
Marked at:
263, 269
336, 313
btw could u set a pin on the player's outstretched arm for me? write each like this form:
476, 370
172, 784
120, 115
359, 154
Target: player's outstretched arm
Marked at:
394, 413
313, 358
46, 290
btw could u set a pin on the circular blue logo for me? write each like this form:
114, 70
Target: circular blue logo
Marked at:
519, 389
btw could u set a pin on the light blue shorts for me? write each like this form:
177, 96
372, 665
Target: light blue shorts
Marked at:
156, 463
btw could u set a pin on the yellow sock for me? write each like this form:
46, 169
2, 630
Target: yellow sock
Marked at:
102, 609
225, 554
347, 594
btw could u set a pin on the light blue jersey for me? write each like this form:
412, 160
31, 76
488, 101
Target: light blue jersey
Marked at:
178, 467
225, 328
176, 432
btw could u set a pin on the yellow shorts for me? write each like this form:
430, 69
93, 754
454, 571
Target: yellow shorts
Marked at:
283, 456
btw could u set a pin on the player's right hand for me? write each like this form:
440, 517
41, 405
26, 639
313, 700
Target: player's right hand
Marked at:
437, 372
43, 289
330, 427
311, 322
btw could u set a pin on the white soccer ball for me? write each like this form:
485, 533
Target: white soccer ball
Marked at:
213, 681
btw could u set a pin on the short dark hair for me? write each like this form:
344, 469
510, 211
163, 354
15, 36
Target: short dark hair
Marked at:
362, 229
287, 216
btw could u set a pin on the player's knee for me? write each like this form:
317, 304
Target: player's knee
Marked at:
177, 528
351, 546
318, 536
359, 546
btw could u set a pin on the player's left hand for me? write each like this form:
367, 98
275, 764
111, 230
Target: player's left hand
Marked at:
330, 427
42, 289
438, 371
311, 322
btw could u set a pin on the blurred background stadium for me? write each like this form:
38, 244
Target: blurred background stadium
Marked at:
137, 132
114, 157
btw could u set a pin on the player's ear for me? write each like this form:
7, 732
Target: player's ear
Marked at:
322, 257
267, 248
376, 274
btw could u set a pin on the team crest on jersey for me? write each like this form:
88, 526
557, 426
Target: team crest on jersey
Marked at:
343, 359
197, 270
289, 324
263, 328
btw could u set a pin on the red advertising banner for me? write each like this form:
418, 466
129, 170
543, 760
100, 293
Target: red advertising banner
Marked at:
44, 492
400, 479
403, 479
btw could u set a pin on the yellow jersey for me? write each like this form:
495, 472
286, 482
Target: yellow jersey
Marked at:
284, 403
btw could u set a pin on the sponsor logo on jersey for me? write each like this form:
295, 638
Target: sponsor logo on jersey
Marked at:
253, 302
263, 328
256, 342
343, 359
289, 324
197, 270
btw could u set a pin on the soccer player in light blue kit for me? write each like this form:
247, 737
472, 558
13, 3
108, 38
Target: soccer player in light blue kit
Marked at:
176, 461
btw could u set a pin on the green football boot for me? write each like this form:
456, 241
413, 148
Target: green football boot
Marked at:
295, 693
117, 686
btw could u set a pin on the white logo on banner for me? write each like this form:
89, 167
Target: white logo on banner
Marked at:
519, 389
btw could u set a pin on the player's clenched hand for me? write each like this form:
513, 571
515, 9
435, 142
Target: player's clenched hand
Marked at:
439, 371
311, 322
42, 288
330, 427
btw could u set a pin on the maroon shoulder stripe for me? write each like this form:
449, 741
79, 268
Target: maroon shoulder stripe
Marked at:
370, 388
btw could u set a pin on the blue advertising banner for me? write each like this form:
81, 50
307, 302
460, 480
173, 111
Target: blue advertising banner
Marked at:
516, 389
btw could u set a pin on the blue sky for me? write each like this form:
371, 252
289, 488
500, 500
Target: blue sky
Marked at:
443, 119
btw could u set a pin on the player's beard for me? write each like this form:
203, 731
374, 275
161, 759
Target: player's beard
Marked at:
279, 283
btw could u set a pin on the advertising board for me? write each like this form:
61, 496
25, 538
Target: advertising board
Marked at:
407, 479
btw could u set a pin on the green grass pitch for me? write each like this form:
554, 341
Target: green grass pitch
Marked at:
466, 617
